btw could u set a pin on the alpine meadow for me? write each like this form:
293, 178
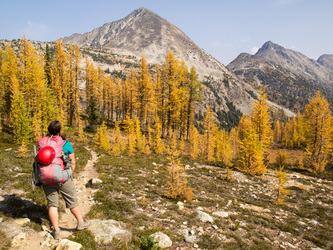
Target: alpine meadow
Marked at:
159, 163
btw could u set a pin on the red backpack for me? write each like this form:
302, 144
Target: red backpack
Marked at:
51, 173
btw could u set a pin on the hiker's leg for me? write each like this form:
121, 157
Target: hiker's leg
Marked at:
77, 213
53, 215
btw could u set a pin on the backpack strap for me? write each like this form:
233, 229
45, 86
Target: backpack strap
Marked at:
48, 141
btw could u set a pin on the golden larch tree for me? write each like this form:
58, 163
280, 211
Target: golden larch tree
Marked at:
250, 152
318, 121
209, 136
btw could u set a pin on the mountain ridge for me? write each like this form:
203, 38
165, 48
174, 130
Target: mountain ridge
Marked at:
289, 77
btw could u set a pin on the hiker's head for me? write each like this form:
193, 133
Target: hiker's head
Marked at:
54, 128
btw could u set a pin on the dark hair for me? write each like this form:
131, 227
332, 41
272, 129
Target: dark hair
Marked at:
54, 128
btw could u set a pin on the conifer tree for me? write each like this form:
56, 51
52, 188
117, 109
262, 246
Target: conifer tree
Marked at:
60, 81
73, 96
194, 142
157, 141
250, 152
277, 134
10, 84
130, 133
48, 65
194, 97
281, 179
233, 136
223, 151
145, 95
177, 185
102, 137
20, 118
209, 138
261, 120
117, 141
318, 133
140, 144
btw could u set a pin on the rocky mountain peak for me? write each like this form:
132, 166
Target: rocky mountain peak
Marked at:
144, 32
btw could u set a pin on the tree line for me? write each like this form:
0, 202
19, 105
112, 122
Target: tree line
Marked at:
156, 111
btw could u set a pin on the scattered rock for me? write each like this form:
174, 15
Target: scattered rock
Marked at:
255, 208
204, 217
22, 221
221, 214
106, 230
191, 239
180, 205
68, 245
95, 181
313, 222
163, 240
184, 232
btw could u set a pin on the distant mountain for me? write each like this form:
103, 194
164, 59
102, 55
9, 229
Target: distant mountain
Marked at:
144, 32
326, 60
289, 77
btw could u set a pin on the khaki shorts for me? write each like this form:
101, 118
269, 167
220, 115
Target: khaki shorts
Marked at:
67, 191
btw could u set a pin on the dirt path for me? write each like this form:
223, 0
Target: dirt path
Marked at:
67, 222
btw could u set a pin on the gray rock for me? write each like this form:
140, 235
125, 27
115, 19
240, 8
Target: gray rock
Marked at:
184, 232
68, 245
163, 240
221, 214
106, 230
204, 217
96, 181
191, 239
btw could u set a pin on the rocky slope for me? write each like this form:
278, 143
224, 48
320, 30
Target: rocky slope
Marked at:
235, 214
289, 77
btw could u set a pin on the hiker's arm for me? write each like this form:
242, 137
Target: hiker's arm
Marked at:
72, 157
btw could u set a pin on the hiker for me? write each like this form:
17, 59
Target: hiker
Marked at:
65, 187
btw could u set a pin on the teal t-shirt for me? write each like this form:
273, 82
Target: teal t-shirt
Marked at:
67, 148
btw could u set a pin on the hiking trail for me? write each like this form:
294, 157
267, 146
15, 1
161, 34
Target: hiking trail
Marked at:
67, 221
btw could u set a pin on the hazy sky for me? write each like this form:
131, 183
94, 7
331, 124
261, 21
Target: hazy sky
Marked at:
224, 28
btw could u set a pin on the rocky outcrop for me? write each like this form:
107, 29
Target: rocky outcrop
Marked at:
106, 230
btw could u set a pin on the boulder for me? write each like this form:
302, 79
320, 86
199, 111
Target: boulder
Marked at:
68, 245
163, 240
106, 230
204, 217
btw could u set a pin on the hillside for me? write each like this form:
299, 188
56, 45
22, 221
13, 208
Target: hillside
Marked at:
223, 214
290, 78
